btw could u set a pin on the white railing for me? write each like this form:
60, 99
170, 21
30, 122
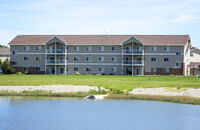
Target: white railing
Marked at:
61, 51
56, 62
137, 62
133, 51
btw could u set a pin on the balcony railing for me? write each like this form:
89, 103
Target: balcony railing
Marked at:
60, 51
56, 61
136, 62
132, 51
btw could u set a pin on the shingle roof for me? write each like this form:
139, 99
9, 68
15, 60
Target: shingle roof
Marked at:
101, 39
194, 65
5, 50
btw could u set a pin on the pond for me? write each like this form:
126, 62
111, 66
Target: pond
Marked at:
31, 113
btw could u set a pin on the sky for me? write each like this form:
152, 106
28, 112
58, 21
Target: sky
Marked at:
96, 17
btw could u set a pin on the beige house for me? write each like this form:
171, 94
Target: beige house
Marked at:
4, 53
108, 54
194, 61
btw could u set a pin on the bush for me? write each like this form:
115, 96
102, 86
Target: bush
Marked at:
85, 73
26, 73
1, 63
154, 74
111, 74
102, 74
178, 87
77, 73
19, 73
7, 68
116, 91
93, 73
171, 75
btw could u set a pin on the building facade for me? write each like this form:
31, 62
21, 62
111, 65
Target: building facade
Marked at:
4, 53
194, 61
108, 54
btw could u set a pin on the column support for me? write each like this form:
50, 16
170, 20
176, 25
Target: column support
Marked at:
132, 57
45, 48
65, 60
55, 57
122, 71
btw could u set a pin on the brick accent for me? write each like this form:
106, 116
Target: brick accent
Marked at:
31, 70
174, 71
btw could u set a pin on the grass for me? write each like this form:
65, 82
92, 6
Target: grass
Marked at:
107, 81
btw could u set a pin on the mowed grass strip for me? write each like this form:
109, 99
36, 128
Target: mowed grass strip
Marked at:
107, 81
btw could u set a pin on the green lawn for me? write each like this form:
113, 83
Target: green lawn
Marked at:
107, 81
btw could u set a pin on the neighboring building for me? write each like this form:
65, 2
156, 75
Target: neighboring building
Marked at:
194, 61
4, 53
108, 54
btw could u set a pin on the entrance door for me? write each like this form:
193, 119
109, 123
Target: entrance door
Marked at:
62, 70
138, 71
52, 70
128, 71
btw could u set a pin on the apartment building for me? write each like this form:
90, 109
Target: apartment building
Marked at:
108, 54
4, 53
194, 61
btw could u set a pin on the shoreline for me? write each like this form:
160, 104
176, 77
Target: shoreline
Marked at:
174, 95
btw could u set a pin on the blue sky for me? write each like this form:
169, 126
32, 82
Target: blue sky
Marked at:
99, 16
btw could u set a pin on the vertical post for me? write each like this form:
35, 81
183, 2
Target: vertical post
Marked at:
45, 60
132, 57
143, 60
65, 60
55, 57
122, 71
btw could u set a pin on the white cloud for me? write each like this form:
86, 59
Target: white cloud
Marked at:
187, 18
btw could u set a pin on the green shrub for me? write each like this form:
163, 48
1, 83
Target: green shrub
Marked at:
102, 74
19, 73
26, 72
116, 91
7, 68
171, 75
178, 87
1, 63
77, 73
93, 73
85, 73
154, 74
111, 74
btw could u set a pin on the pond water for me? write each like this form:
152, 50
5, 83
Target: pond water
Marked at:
25, 113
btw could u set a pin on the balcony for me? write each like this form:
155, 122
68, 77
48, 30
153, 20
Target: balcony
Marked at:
57, 51
57, 62
134, 62
132, 51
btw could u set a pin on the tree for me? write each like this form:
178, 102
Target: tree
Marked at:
7, 68
1, 63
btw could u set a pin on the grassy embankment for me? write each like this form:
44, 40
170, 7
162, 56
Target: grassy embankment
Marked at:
109, 82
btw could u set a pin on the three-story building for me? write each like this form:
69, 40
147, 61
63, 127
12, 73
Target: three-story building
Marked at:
108, 54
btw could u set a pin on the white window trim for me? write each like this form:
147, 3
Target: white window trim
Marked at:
26, 67
153, 61
112, 47
102, 58
27, 49
166, 69
154, 50
16, 52
102, 69
153, 70
26, 60
88, 67
77, 58
39, 49
38, 67
14, 61
101, 47
89, 58
39, 58
164, 59
114, 58
166, 50
179, 52
89, 47
77, 48
77, 68
114, 69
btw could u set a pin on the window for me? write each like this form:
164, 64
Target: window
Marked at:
88, 69
153, 58
166, 59
88, 58
38, 58
177, 64
153, 48
76, 58
76, 48
166, 48
14, 62
25, 68
38, 48
25, 58
178, 53
114, 59
166, 70
101, 59
114, 48
14, 52
75, 68
26, 48
1, 55
113, 69
191, 55
88, 48
153, 69
101, 48
37, 68
101, 69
